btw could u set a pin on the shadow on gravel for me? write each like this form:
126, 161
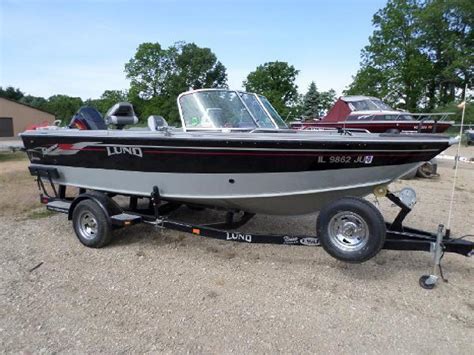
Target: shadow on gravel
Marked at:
144, 235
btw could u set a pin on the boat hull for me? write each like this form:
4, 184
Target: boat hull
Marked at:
291, 193
284, 174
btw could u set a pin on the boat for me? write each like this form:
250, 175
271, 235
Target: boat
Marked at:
374, 115
232, 152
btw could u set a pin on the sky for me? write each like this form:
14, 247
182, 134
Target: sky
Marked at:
79, 48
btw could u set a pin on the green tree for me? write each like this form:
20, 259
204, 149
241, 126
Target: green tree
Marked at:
16, 94
149, 70
447, 39
63, 106
11, 93
311, 101
327, 99
159, 105
195, 68
107, 100
297, 110
315, 103
159, 75
35, 101
276, 81
369, 81
420, 54
453, 107
393, 60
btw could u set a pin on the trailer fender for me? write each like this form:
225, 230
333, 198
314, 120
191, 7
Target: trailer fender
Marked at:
107, 204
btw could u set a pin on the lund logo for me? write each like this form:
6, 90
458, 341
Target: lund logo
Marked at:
125, 150
239, 237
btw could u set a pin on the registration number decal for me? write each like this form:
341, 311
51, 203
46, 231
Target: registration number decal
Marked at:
346, 159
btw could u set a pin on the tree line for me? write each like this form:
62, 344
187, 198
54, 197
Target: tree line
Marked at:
419, 58
420, 55
158, 75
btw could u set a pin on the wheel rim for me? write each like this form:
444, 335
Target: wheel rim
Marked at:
348, 231
87, 225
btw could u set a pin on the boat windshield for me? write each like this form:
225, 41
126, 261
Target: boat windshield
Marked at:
370, 105
382, 105
214, 109
271, 110
257, 110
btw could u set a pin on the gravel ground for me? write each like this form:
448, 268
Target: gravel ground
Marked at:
173, 292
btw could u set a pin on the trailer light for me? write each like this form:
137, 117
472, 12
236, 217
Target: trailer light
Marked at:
44, 200
196, 231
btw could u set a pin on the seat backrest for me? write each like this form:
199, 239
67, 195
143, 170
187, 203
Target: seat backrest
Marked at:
121, 114
156, 122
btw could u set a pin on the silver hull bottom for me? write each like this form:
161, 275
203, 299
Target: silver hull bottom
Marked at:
268, 193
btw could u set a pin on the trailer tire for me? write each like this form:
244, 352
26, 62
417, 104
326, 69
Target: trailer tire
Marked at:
91, 224
351, 229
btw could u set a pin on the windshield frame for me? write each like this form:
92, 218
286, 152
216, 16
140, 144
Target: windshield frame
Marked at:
378, 105
214, 127
263, 108
277, 126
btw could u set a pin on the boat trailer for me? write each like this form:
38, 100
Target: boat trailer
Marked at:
398, 236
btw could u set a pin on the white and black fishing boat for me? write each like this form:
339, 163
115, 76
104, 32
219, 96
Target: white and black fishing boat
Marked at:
222, 158
234, 153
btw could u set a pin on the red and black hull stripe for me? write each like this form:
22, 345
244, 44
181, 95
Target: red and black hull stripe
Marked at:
170, 155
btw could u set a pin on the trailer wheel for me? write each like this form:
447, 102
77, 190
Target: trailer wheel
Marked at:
91, 224
351, 229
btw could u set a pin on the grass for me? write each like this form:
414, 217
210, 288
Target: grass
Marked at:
15, 156
39, 213
19, 193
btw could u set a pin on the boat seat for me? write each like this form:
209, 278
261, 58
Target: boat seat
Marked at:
156, 122
121, 114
